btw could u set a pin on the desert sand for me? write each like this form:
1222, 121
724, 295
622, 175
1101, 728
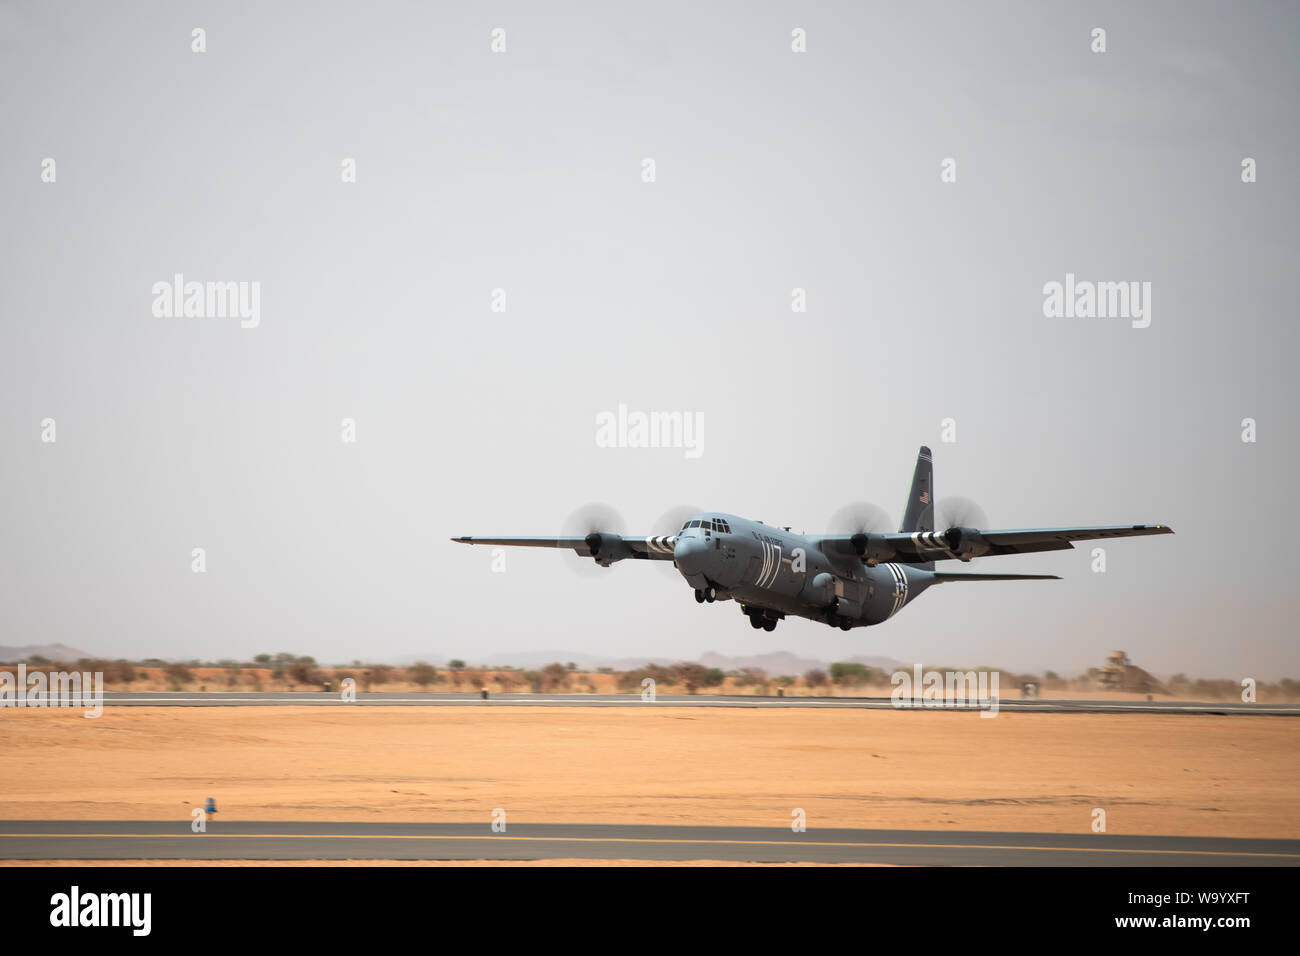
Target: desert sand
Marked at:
1152, 774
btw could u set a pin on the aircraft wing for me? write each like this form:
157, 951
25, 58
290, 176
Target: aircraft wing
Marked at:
1060, 539
652, 547
944, 545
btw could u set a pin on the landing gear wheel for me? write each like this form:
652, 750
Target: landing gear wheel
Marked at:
769, 625
846, 626
755, 623
710, 594
699, 596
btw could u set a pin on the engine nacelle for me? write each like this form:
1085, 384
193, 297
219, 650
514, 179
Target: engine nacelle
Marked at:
873, 548
965, 543
607, 548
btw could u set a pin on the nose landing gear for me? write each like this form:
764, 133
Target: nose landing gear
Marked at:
706, 594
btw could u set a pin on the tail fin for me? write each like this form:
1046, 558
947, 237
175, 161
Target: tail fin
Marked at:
919, 513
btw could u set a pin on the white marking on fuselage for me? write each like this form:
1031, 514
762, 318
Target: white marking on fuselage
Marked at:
900, 588
771, 565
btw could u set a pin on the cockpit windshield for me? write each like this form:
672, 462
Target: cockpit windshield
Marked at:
708, 524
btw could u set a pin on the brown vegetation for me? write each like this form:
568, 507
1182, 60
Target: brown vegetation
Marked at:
289, 672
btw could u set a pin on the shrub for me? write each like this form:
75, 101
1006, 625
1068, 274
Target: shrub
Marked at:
693, 676
303, 670
630, 681
421, 673
178, 673
849, 672
555, 677
115, 672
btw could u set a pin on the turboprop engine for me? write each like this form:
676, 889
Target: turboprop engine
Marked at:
965, 543
607, 548
873, 548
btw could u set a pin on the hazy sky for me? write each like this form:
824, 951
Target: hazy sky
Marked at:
522, 171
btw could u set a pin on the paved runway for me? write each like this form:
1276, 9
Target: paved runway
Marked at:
125, 839
399, 699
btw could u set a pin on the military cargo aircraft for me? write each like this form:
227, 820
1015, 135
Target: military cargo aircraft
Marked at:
846, 580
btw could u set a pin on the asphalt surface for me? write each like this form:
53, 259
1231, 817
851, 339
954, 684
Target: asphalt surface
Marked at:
400, 699
242, 840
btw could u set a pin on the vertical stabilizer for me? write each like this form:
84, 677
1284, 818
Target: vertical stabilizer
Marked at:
919, 513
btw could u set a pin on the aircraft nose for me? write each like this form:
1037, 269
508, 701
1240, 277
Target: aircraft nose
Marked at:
689, 554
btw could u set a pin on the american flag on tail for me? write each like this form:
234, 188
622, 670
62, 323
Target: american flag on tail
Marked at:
925, 497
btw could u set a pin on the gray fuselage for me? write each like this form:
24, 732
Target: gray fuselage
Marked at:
775, 572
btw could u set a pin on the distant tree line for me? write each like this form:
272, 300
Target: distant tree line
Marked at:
295, 672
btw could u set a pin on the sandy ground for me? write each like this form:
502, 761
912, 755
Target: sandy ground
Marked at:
1152, 774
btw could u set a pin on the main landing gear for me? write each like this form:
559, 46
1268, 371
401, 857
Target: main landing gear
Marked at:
758, 618
706, 594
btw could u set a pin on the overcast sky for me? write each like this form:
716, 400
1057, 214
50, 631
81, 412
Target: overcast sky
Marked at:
523, 171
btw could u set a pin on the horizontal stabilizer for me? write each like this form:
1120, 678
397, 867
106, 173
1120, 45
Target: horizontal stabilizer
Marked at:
941, 576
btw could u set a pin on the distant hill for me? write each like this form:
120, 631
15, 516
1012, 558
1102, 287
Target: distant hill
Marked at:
52, 652
409, 658
778, 663
775, 663
632, 663
886, 664
530, 660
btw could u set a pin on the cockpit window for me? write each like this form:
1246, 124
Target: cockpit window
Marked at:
708, 524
